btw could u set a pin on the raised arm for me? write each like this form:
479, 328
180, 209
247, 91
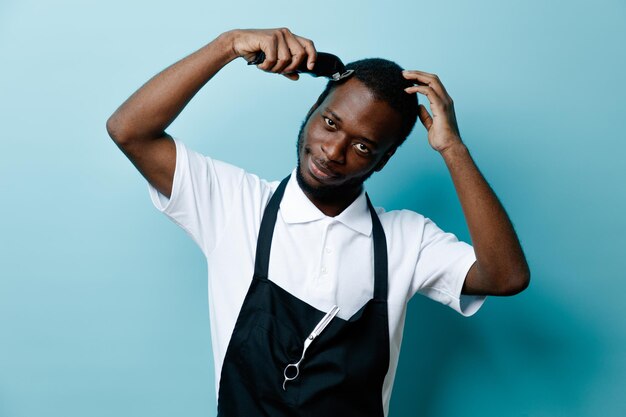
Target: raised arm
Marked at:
138, 125
501, 267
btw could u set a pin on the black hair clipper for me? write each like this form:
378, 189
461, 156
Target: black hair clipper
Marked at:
326, 65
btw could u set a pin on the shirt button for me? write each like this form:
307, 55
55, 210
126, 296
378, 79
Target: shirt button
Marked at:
324, 270
328, 250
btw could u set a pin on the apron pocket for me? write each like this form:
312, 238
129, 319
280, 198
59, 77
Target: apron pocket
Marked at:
267, 350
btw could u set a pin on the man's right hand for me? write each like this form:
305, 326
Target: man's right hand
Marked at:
284, 51
138, 125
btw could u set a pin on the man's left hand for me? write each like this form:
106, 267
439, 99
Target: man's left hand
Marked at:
443, 131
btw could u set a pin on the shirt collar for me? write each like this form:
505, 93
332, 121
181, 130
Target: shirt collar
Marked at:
295, 207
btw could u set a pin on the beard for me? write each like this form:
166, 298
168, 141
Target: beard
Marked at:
321, 192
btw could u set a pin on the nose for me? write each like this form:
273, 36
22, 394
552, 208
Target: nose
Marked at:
335, 150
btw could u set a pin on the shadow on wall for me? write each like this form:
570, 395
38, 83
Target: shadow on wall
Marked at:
517, 356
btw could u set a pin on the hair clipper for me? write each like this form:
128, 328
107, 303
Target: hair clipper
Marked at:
326, 65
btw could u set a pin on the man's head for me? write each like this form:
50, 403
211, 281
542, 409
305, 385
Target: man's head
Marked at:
354, 127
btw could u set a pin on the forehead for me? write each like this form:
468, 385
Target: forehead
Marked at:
361, 112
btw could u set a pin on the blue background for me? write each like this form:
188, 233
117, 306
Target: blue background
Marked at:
103, 304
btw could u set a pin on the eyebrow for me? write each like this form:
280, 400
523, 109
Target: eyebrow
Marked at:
337, 118
333, 114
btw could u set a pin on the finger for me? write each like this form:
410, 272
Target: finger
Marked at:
270, 48
437, 106
424, 116
425, 78
283, 54
292, 76
431, 81
416, 74
298, 53
311, 52
428, 91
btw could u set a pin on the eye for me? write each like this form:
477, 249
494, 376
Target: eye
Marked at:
329, 122
362, 148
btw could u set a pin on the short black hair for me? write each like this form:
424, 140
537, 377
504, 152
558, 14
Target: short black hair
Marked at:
384, 79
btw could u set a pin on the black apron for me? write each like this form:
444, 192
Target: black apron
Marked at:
344, 368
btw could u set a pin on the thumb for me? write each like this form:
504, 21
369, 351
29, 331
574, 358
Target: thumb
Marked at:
424, 116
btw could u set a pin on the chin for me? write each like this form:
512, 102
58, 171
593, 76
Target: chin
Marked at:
313, 188
327, 192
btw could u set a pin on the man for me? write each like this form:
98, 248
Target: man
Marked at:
282, 258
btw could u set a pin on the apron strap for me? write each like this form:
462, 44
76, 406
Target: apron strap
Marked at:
380, 255
266, 231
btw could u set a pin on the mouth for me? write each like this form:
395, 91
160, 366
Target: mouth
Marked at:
320, 172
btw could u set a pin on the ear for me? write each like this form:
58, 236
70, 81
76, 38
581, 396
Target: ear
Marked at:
385, 159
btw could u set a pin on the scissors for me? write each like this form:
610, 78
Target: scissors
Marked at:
316, 332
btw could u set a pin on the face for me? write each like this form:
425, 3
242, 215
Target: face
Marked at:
346, 139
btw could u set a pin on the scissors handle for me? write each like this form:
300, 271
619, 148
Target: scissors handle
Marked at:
297, 372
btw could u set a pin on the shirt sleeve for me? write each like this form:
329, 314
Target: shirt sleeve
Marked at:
203, 191
442, 265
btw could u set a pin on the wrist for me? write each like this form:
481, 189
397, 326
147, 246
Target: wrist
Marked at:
454, 151
227, 43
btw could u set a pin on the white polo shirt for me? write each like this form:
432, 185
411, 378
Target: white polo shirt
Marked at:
321, 260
